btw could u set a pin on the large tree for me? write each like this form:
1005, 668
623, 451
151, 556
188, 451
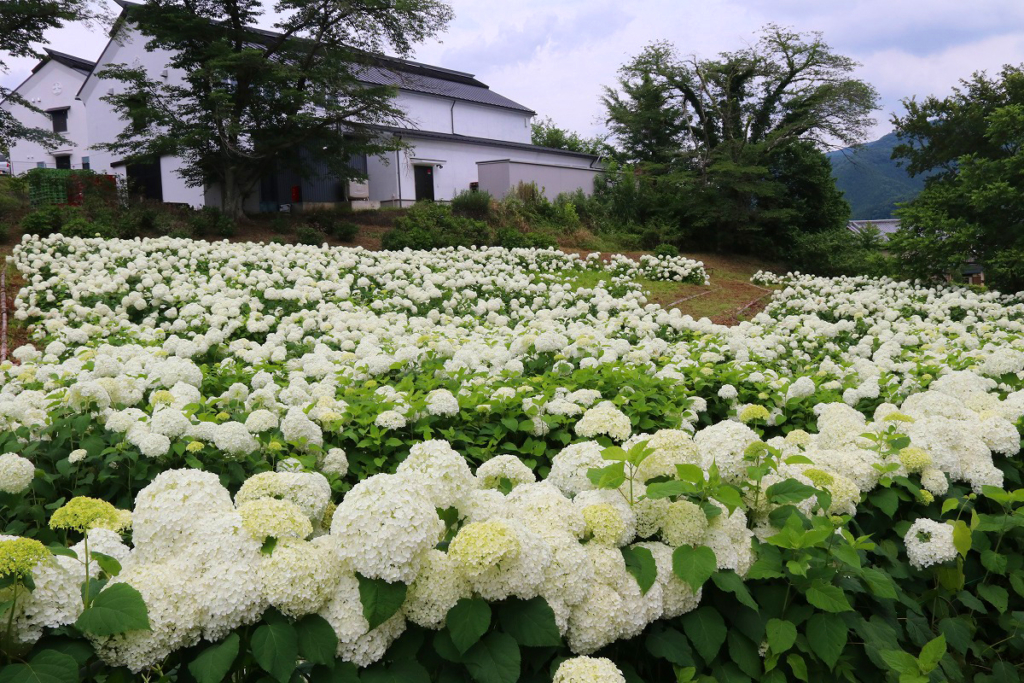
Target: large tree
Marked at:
22, 25
972, 208
254, 101
546, 133
739, 133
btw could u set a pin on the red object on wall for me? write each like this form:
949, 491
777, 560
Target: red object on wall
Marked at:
296, 193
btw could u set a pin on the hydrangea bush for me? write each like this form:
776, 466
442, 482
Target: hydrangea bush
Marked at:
242, 461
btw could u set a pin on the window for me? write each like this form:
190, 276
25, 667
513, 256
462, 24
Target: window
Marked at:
60, 120
40, 164
63, 161
85, 163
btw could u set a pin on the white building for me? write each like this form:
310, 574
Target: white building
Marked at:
52, 88
462, 135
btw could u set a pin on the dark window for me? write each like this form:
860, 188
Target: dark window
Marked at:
144, 181
424, 176
85, 163
60, 120
63, 162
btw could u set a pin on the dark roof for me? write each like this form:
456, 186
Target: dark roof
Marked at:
489, 142
76, 63
412, 76
427, 80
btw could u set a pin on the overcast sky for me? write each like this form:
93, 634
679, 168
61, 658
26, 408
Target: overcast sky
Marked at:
554, 56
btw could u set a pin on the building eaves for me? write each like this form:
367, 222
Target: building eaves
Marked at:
489, 142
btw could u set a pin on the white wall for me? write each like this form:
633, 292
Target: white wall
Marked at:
39, 90
104, 123
455, 167
436, 114
499, 177
174, 188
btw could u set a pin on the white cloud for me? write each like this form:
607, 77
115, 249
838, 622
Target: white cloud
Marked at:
555, 55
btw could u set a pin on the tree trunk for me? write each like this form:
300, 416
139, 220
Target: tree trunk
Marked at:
232, 196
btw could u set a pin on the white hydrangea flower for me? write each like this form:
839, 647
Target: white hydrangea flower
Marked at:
385, 526
588, 670
606, 419
929, 542
16, 473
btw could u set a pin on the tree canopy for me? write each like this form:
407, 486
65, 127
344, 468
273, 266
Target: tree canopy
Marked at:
741, 136
253, 101
546, 133
972, 208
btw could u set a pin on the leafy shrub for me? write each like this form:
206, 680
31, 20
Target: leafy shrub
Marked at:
43, 221
281, 223
210, 220
472, 204
345, 231
839, 252
433, 226
510, 238
77, 224
321, 219
310, 234
666, 250
180, 232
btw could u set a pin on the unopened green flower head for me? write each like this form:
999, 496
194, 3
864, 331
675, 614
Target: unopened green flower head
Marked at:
195, 446
753, 413
83, 513
162, 397
755, 450
897, 417
925, 496
19, 555
604, 522
915, 459
798, 437
325, 523
820, 478
270, 517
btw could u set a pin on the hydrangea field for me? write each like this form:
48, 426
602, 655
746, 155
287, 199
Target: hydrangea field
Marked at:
254, 462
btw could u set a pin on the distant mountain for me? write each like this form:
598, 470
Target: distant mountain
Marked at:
871, 180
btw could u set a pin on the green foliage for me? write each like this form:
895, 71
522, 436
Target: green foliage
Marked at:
840, 252
46, 666
117, 609
381, 600
319, 224
472, 204
44, 221
467, 622
308, 234
433, 226
970, 142
666, 250
546, 133
726, 151
211, 221
215, 661
275, 646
